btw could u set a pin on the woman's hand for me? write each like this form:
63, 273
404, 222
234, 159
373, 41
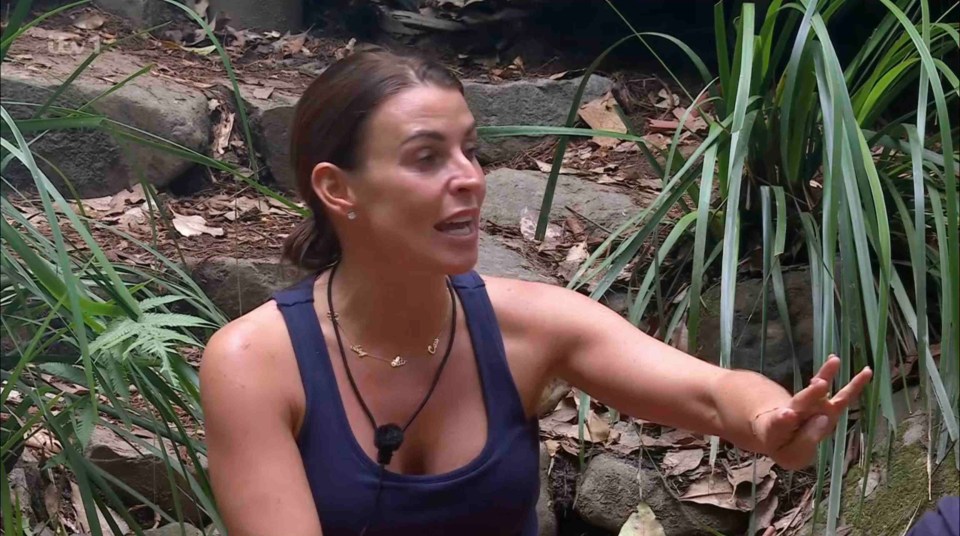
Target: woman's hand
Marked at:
790, 433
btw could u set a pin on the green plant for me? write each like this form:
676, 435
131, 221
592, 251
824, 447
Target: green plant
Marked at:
863, 199
81, 333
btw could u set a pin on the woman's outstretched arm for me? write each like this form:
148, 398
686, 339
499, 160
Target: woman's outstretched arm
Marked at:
606, 356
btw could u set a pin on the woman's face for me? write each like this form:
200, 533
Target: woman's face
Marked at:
419, 188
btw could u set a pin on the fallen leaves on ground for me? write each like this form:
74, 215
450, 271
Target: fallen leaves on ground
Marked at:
601, 114
732, 490
194, 225
90, 20
528, 228
643, 522
680, 461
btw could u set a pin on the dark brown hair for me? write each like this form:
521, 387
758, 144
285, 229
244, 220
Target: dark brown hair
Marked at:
328, 126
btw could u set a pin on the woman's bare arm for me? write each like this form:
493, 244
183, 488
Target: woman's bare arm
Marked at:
597, 350
255, 465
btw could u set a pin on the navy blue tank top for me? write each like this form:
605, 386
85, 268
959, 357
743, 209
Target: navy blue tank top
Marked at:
494, 494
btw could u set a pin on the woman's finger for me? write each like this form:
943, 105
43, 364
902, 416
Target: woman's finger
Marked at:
799, 453
829, 369
813, 397
852, 390
780, 428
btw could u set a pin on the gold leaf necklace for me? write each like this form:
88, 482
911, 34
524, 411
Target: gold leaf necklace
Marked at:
398, 361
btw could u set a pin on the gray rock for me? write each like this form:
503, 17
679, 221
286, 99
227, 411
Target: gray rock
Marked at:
778, 363
497, 260
546, 517
27, 485
537, 102
96, 162
610, 489
174, 529
510, 190
143, 471
142, 13
280, 15
238, 286
271, 120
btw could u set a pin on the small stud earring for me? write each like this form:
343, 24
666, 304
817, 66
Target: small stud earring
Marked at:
351, 215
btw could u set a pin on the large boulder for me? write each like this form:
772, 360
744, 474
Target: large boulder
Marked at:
272, 119
142, 470
280, 15
509, 191
238, 286
496, 259
778, 362
534, 102
141, 13
95, 161
610, 490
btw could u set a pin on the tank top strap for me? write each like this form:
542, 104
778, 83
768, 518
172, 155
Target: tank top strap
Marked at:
499, 389
296, 305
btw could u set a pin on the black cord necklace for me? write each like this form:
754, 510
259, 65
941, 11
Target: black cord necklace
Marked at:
388, 437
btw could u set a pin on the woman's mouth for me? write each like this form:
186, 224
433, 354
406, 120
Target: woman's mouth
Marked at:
456, 228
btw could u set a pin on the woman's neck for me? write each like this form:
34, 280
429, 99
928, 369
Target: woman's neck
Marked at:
388, 309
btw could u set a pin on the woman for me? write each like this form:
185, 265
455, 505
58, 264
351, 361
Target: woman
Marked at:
396, 333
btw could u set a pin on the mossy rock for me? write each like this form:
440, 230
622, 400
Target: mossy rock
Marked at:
902, 495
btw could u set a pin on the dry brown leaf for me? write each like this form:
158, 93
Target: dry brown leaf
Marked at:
263, 92
667, 100
674, 438
528, 228
597, 428
712, 489
745, 473
292, 44
52, 35
694, 122
221, 133
766, 510
662, 125
557, 76
575, 258
546, 167
99, 204
656, 140
194, 225
41, 440
552, 446
607, 179
626, 147
643, 522
134, 219
89, 21
601, 114
680, 461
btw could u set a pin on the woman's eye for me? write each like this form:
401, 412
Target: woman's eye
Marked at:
426, 158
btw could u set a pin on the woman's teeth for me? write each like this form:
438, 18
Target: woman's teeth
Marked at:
457, 229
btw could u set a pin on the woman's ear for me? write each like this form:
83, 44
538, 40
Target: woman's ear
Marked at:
331, 184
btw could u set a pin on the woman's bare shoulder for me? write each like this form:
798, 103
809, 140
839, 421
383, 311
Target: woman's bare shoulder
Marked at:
254, 347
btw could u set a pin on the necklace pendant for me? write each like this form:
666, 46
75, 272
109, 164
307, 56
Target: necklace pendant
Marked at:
357, 349
398, 362
432, 347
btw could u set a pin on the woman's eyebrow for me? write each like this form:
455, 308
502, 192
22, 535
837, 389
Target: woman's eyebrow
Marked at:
431, 134
471, 131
